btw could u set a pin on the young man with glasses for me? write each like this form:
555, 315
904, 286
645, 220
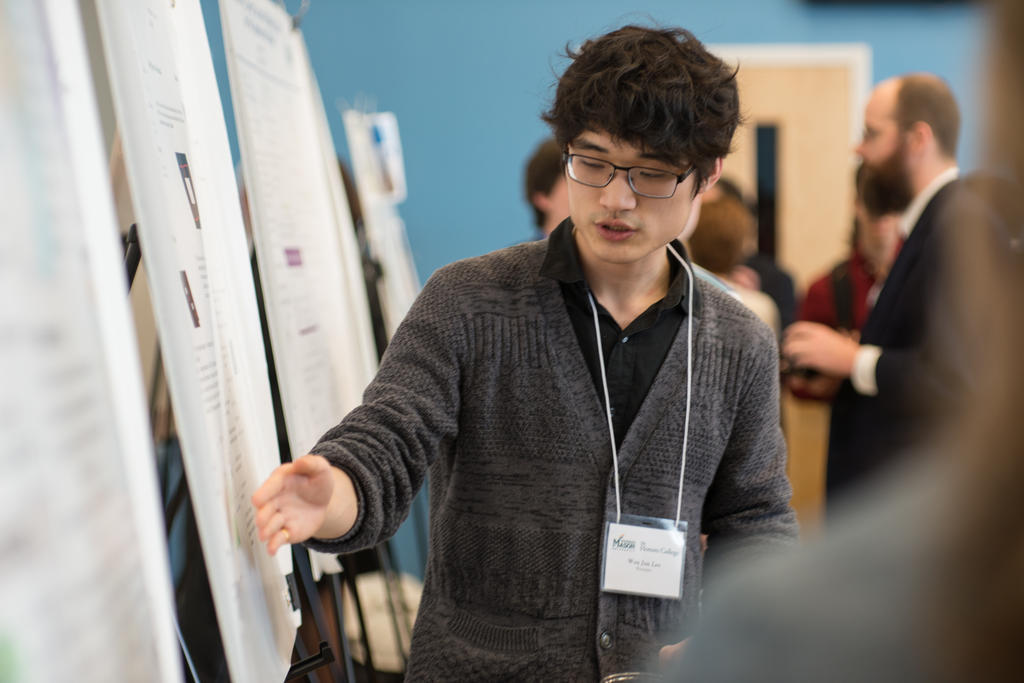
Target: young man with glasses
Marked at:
585, 408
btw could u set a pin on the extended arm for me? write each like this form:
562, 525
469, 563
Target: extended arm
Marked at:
357, 486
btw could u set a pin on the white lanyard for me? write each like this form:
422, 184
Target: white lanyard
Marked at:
689, 374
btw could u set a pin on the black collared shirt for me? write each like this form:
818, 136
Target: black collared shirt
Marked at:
633, 356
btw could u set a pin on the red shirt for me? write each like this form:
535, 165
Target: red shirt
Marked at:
819, 305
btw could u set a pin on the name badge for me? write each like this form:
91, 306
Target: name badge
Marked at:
644, 556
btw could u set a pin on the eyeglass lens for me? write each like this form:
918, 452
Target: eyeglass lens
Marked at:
646, 181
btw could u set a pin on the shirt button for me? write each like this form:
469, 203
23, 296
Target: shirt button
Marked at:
606, 640
625, 339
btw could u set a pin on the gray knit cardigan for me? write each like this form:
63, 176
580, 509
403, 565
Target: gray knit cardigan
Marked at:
484, 384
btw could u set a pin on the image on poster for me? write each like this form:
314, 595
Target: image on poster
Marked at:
77, 457
196, 261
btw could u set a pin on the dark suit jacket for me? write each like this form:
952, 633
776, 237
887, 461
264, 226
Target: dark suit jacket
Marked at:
914, 381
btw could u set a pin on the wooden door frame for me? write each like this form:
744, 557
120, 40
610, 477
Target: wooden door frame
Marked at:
857, 57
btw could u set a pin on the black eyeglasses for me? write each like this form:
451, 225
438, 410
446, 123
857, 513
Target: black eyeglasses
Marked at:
646, 182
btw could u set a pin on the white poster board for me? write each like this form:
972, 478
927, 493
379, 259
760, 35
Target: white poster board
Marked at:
194, 249
309, 263
84, 582
376, 150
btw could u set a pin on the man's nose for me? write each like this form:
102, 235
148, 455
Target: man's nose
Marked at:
618, 195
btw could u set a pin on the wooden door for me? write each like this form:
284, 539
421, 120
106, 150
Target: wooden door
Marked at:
813, 95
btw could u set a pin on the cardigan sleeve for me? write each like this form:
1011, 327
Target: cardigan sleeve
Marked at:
408, 415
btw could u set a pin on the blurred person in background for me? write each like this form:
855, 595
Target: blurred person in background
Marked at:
546, 189
842, 298
920, 578
718, 243
894, 385
758, 271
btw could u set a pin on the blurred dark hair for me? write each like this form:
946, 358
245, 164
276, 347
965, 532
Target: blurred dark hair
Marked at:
927, 98
542, 170
722, 230
657, 89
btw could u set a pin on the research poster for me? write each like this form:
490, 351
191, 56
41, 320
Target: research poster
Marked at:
197, 265
376, 150
84, 582
309, 264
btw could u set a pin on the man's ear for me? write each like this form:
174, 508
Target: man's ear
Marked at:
541, 201
716, 173
920, 136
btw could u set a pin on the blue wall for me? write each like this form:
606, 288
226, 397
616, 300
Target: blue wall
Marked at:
468, 79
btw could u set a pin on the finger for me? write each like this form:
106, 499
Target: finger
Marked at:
799, 327
264, 516
275, 523
309, 465
670, 653
792, 348
272, 486
796, 334
279, 539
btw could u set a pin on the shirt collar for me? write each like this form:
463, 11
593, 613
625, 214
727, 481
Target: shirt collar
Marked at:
562, 263
916, 207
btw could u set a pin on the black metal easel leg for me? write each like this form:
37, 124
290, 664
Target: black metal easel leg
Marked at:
393, 587
300, 561
339, 611
348, 563
310, 664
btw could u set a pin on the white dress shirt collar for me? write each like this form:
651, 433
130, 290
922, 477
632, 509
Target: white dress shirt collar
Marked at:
916, 207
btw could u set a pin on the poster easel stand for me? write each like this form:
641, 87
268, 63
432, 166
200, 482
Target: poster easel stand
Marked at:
308, 664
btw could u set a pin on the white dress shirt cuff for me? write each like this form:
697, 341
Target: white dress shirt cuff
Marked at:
863, 375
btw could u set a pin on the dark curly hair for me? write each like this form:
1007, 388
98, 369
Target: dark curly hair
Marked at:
657, 89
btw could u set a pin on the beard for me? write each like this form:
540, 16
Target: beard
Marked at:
893, 182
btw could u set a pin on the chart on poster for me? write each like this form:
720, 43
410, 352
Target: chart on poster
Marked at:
84, 579
194, 249
305, 244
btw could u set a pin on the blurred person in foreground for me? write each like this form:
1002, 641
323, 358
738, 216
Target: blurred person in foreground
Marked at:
842, 298
920, 579
586, 408
894, 386
547, 188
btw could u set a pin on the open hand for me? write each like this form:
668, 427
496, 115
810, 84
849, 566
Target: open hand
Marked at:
292, 504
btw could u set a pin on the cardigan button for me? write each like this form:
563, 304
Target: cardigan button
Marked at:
605, 640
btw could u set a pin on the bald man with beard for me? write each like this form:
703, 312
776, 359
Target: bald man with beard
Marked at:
892, 382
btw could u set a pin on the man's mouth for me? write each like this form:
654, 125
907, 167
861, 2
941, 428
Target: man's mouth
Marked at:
616, 225
615, 229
